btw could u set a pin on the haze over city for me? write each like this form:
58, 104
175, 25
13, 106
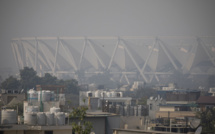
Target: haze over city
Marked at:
25, 18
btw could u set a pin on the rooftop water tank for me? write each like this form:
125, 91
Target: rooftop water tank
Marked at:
8, 117
32, 109
113, 94
109, 94
103, 94
41, 119
32, 95
53, 96
49, 119
44, 95
98, 94
54, 110
60, 118
61, 97
30, 118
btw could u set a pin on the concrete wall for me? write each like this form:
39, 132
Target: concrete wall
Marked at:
62, 132
6, 98
167, 109
98, 123
132, 122
154, 106
14, 132
175, 114
37, 132
33, 132
112, 122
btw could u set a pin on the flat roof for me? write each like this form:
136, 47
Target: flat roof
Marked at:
145, 131
29, 127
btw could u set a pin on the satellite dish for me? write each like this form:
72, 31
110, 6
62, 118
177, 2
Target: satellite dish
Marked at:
194, 123
198, 130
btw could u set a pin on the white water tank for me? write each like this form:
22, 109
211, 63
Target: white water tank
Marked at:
109, 94
60, 118
32, 109
98, 93
8, 117
53, 96
44, 95
103, 94
121, 94
61, 97
32, 95
30, 119
54, 110
114, 94
41, 119
49, 119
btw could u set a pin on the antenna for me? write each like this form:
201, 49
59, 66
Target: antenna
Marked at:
198, 130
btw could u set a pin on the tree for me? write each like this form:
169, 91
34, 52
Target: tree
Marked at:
28, 78
10, 83
71, 86
207, 120
48, 79
82, 127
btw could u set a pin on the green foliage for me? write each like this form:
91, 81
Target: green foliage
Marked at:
28, 78
10, 83
82, 127
207, 120
48, 79
71, 86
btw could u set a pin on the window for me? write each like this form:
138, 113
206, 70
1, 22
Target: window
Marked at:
150, 106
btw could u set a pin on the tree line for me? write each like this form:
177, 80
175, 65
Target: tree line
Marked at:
28, 79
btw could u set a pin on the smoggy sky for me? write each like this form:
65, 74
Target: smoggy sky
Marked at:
28, 18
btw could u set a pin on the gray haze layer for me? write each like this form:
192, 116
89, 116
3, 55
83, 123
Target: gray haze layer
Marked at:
26, 18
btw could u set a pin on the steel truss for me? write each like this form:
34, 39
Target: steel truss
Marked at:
125, 58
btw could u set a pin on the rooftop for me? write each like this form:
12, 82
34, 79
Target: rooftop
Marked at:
206, 100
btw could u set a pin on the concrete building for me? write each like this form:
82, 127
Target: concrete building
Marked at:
7, 96
177, 104
103, 122
179, 96
205, 102
154, 105
26, 129
135, 131
95, 99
